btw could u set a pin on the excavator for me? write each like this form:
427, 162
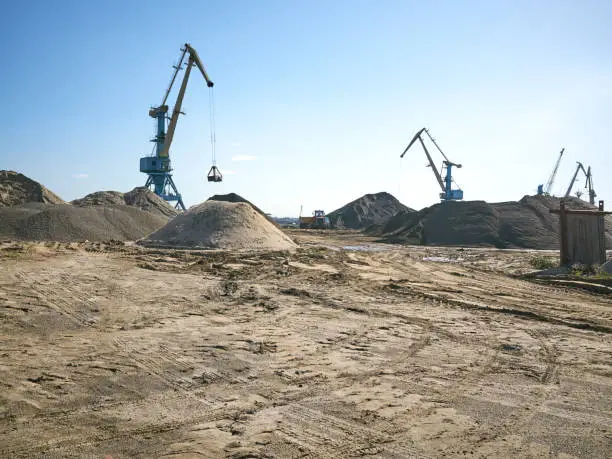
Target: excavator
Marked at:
447, 194
588, 184
158, 166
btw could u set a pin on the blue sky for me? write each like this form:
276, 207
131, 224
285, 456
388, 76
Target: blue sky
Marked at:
324, 95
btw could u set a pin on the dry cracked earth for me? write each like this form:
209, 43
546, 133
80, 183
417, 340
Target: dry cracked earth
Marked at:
111, 350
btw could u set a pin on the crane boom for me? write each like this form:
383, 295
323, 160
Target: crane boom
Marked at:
194, 55
589, 185
193, 59
571, 185
414, 139
551, 179
432, 165
175, 112
436, 144
176, 71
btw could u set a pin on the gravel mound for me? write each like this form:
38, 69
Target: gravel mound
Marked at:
16, 189
145, 199
67, 223
100, 198
368, 210
523, 224
140, 197
221, 225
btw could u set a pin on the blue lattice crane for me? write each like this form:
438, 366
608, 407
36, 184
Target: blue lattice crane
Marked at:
447, 194
158, 166
551, 179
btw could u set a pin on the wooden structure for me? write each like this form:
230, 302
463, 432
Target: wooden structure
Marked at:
583, 239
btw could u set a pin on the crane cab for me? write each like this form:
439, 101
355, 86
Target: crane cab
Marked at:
155, 165
214, 175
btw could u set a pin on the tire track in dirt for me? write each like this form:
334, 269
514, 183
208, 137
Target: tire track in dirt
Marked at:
160, 365
513, 311
320, 435
74, 442
519, 421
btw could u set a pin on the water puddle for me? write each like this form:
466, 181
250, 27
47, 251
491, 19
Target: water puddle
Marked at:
443, 259
364, 248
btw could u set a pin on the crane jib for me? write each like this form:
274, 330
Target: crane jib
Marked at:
447, 194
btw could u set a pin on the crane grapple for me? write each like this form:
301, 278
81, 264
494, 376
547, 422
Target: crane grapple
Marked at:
214, 175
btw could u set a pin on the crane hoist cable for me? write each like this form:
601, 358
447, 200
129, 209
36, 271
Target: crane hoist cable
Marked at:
211, 111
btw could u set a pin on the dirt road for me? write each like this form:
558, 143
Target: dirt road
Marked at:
370, 351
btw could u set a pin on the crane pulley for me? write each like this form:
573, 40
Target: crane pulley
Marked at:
447, 194
158, 166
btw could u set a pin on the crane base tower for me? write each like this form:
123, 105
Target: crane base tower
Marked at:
159, 167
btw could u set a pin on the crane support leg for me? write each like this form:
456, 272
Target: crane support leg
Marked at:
165, 188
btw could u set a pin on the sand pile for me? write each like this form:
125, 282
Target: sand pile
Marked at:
16, 189
140, 197
221, 225
368, 210
67, 223
233, 197
523, 224
28, 211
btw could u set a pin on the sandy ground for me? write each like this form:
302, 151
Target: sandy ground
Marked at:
118, 351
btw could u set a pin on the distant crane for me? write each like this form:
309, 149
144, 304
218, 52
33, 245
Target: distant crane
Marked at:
447, 193
157, 166
551, 179
588, 184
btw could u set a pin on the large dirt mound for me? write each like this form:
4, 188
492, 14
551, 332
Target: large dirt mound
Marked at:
233, 197
140, 197
368, 210
67, 223
16, 189
221, 225
525, 224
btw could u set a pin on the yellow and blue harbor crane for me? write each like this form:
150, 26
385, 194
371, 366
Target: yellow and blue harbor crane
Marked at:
158, 166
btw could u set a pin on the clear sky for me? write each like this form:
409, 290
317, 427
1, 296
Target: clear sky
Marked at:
322, 95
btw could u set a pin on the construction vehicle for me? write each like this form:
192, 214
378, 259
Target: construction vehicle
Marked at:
551, 179
588, 184
317, 221
447, 194
157, 166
